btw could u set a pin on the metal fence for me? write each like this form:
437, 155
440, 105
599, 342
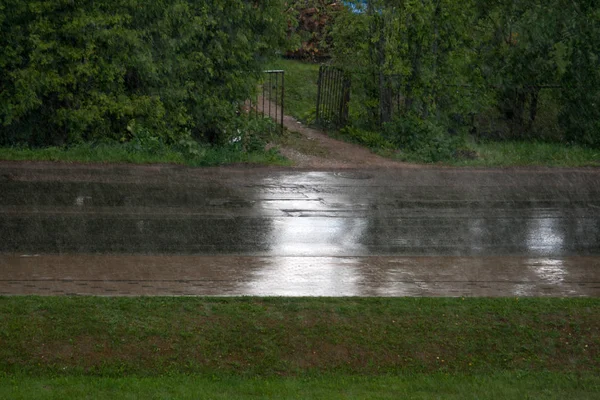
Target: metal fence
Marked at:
533, 115
333, 96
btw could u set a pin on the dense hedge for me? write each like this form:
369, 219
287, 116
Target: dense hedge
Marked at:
74, 71
451, 60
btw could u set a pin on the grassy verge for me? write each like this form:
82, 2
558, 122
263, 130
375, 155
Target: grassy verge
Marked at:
516, 385
511, 153
120, 153
270, 337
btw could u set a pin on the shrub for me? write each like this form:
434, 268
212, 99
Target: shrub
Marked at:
426, 140
366, 137
75, 71
441, 58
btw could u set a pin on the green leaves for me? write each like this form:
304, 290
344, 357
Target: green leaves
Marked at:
82, 71
443, 57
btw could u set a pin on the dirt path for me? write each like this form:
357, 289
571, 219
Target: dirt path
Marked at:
311, 148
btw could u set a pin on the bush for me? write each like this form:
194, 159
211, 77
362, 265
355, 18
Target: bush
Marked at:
79, 71
365, 137
443, 58
426, 140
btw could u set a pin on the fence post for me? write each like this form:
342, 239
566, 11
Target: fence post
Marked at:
319, 92
282, 97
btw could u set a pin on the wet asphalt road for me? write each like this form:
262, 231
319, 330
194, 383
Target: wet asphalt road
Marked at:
257, 231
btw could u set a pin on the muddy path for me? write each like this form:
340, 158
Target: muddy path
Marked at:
311, 148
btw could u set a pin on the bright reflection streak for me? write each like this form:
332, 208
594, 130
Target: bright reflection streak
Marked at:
544, 235
297, 236
305, 276
400, 280
543, 273
551, 271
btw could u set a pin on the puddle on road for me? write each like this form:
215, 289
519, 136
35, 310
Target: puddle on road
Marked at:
133, 275
302, 234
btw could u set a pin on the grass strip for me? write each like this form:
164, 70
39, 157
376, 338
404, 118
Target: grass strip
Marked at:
119, 153
296, 337
521, 153
507, 385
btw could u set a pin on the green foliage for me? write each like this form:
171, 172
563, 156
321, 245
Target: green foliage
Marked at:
442, 60
251, 134
527, 44
246, 143
424, 139
80, 71
580, 115
365, 137
412, 48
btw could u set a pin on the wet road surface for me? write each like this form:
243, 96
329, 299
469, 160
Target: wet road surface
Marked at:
160, 230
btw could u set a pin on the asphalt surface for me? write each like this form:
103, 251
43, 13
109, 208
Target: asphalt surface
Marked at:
163, 230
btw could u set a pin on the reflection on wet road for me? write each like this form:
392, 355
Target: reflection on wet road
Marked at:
230, 231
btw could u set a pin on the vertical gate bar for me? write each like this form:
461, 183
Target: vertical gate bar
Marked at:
277, 106
334, 95
341, 100
326, 102
336, 104
343, 103
282, 97
348, 84
319, 81
338, 100
398, 99
325, 83
263, 95
325, 91
270, 92
348, 88
329, 93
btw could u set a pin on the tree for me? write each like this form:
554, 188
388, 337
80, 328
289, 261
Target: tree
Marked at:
73, 71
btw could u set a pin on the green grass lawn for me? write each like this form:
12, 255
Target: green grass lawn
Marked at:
296, 337
512, 153
302, 348
507, 385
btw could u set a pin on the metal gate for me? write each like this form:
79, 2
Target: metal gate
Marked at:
333, 96
269, 100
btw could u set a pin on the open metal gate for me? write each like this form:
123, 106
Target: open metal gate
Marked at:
269, 100
333, 96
